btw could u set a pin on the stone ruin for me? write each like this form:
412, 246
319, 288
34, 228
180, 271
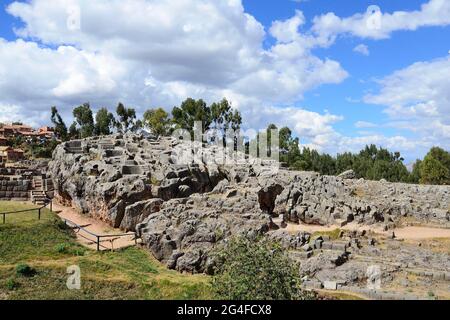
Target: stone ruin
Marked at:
183, 211
25, 181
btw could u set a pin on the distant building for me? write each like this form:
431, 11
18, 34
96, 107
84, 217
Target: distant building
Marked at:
47, 132
19, 130
8, 154
15, 130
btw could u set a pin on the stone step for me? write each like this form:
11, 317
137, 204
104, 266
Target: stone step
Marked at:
129, 170
74, 150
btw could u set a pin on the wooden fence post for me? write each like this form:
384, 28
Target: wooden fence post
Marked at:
98, 243
39, 214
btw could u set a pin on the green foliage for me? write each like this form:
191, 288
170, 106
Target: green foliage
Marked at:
256, 270
68, 248
104, 122
25, 270
219, 116
435, 167
11, 284
157, 121
34, 147
130, 273
189, 112
414, 177
85, 119
41, 150
371, 163
60, 127
126, 119
74, 133
223, 117
16, 142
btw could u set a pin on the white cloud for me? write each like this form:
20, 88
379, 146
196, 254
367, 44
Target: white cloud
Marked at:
380, 25
13, 113
162, 57
418, 98
150, 53
288, 30
362, 49
365, 124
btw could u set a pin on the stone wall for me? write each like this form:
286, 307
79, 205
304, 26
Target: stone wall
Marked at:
315, 199
14, 189
182, 211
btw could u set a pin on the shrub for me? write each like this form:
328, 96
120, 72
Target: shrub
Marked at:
61, 225
78, 251
11, 284
67, 248
25, 270
61, 248
256, 270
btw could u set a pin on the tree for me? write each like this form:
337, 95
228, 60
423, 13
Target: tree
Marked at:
104, 121
157, 121
289, 147
435, 167
60, 126
74, 133
440, 155
256, 270
126, 119
224, 118
415, 174
344, 162
190, 111
84, 118
138, 124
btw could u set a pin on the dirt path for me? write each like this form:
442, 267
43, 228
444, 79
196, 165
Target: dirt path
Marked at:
419, 233
407, 233
96, 227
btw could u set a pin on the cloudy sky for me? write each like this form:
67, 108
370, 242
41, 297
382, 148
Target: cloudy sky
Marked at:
341, 74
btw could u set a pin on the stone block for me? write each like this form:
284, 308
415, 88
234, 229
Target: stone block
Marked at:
330, 285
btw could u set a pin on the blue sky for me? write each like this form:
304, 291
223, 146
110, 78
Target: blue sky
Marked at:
312, 65
386, 56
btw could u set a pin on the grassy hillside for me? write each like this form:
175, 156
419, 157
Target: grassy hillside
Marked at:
49, 248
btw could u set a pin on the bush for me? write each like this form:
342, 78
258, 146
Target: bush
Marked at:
67, 248
25, 270
62, 248
61, 224
256, 270
11, 284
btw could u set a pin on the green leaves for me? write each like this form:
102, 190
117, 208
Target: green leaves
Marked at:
435, 167
256, 270
157, 121
104, 122
127, 119
84, 118
219, 116
60, 126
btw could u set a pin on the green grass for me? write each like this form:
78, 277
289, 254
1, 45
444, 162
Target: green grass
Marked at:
49, 248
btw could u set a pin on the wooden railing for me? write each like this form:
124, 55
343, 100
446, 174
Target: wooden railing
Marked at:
39, 210
98, 238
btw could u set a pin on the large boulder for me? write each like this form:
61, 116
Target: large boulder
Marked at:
184, 205
138, 212
349, 174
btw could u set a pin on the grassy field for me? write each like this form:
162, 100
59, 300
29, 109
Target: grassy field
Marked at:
49, 248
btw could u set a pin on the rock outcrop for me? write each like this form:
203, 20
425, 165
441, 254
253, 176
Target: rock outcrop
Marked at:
183, 203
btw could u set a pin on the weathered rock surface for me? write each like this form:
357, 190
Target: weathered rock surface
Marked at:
183, 208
